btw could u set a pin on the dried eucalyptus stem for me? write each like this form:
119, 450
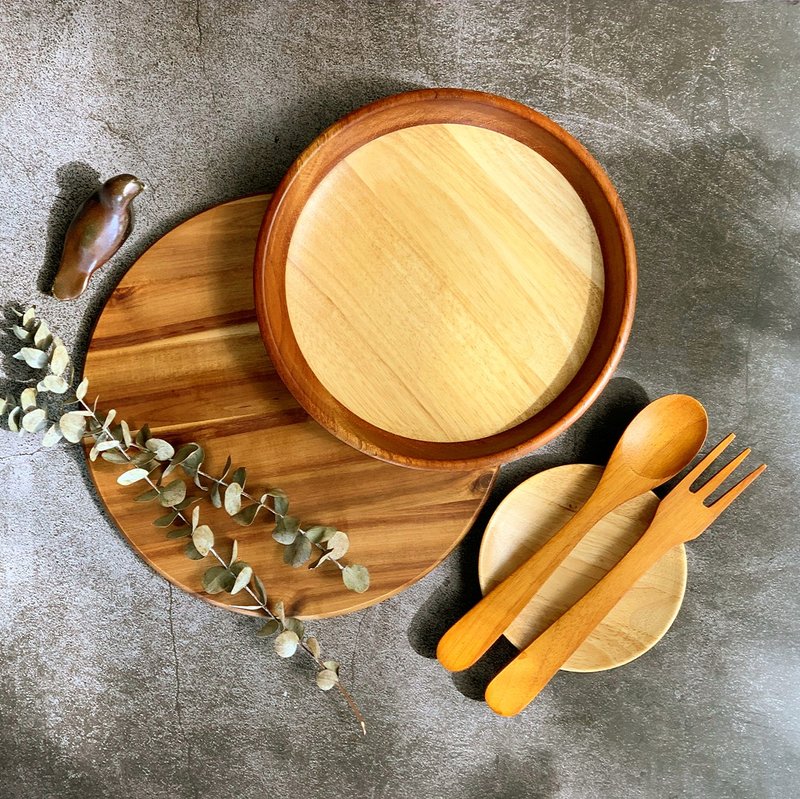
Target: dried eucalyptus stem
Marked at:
151, 460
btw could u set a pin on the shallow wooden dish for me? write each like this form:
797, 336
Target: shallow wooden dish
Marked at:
538, 508
445, 279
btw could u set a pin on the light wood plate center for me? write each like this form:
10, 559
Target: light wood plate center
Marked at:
444, 282
538, 508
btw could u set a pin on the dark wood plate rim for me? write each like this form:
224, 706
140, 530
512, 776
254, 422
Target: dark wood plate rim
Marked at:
432, 106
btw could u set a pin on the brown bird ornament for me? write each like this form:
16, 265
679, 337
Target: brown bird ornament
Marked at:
96, 232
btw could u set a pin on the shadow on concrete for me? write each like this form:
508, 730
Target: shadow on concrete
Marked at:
76, 183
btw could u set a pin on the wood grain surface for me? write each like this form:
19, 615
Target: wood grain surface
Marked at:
527, 518
444, 282
445, 279
177, 346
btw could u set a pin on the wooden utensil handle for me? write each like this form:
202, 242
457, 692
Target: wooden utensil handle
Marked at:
472, 635
520, 682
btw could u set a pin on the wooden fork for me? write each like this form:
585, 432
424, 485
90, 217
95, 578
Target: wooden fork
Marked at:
681, 516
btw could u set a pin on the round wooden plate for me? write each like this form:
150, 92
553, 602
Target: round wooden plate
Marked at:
445, 279
177, 346
539, 507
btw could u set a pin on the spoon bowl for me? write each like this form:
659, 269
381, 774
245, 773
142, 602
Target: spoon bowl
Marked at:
656, 443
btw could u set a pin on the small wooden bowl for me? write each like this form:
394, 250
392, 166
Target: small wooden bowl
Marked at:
445, 279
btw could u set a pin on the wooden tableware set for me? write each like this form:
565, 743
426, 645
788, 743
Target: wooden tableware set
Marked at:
445, 280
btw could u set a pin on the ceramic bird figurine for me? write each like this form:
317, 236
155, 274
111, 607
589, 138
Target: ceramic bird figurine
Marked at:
95, 234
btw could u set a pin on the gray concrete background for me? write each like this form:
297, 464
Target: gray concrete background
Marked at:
112, 684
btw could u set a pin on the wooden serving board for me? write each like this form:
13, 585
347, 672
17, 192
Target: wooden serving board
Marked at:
177, 346
532, 513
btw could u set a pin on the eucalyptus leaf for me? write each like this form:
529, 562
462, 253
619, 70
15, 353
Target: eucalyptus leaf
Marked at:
54, 383
34, 421
22, 334
203, 539
282, 534
270, 628
279, 612
190, 551
148, 496
52, 436
280, 502
132, 476
247, 515
286, 644
126, 432
173, 493
114, 456
13, 419
141, 437
319, 533
333, 665
182, 453
185, 503
242, 579
217, 579
225, 471
83, 387
36, 359
196, 517
216, 499
104, 446
233, 499
234, 551
193, 461
181, 532
327, 679
240, 476
296, 626
166, 520
313, 646
42, 338
28, 318
143, 458
163, 450
337, 545
261, 591
356, 577
28, 399
298, 552
58, 360
7, 403
73, 426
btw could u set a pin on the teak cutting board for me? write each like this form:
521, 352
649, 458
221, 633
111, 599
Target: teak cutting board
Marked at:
177, 346
538, 508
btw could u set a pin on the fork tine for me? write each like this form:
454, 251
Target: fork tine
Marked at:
719, 478
707, 461
734, 492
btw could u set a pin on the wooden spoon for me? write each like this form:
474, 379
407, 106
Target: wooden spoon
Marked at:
681, 517
660, 441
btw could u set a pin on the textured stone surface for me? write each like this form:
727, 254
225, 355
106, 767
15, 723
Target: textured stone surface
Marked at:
112, 684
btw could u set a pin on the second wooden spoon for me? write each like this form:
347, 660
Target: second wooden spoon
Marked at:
660, 441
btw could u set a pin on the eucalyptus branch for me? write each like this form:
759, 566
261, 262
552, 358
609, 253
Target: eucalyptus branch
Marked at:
154, 460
